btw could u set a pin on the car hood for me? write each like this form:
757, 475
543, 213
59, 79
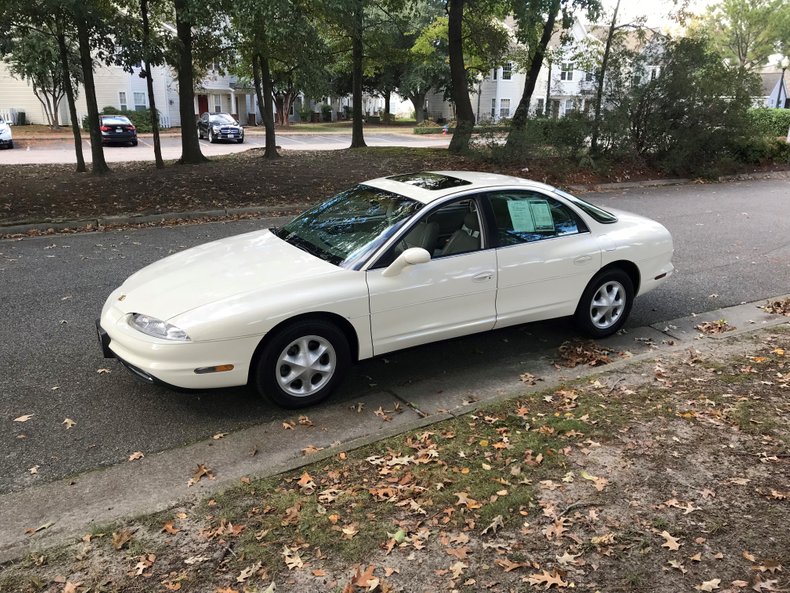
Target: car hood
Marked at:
216, 271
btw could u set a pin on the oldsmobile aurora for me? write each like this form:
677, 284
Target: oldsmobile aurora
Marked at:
391, 263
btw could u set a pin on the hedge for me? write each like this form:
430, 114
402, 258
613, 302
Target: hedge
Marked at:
770, 121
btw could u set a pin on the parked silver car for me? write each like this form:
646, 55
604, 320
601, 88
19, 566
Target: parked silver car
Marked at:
6, 138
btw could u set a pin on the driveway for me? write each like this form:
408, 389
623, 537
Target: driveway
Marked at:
732, 245
29, 151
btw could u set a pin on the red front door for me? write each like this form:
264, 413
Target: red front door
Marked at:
202, 104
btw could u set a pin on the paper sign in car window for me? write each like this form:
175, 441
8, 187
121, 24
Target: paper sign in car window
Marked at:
541, 215
521, 216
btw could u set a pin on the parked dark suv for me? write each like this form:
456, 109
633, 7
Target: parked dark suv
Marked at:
219, 126
117, 128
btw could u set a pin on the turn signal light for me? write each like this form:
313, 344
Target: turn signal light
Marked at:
221, 368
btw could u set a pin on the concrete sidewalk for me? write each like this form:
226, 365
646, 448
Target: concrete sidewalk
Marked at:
57, 511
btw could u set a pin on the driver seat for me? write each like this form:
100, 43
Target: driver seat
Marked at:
465, 239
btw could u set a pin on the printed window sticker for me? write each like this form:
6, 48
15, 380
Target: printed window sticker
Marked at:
530, 216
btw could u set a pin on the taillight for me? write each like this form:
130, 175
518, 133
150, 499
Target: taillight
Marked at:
132, 128
105, 128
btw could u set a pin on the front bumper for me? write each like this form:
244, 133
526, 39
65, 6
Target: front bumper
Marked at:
174, 363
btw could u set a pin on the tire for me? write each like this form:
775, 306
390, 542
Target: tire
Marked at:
605, 303
278, 380
211, 137
134, 142
11, 144
240, 140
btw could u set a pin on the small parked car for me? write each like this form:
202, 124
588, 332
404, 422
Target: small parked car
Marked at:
6, 138
117, 129
220, 126
388, 264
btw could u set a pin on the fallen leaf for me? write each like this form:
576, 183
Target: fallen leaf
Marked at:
248, 572
749, 556
545, 578
292, 558
201, 471
677, 565
34, 470
121, 538
710, 585
168, 528
670, 542
24, 418
219, 435
103, 371
136, 455
69, 423
310, 449
70, 587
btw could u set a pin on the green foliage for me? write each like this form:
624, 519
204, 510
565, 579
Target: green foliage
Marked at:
770, 121
759, 150
566, 137
747, 31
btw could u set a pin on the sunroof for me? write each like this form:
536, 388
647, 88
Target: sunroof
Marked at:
432, 181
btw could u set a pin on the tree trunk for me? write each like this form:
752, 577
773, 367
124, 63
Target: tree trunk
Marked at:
75, 124
519, 123
256, 78
357, 135
600, 81
149, 81
190, 145
99, 165
267, 111
465, 115
387, 96
418, 101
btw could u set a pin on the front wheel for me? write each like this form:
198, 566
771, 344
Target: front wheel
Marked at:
241, 140
211, 138
605, 304
303, 363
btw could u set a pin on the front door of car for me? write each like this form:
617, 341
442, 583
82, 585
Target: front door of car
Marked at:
545, 256
451, 295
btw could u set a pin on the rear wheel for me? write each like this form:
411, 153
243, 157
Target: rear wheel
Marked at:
605, 304
303, 363
134, 142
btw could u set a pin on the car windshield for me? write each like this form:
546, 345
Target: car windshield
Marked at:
347, 228
222, 118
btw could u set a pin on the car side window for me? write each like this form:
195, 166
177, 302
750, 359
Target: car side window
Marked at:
452, 229
524, 217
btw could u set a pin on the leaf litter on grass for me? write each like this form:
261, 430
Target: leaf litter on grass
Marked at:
659, 482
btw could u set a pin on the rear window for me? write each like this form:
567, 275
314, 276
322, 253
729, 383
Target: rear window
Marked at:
115, 120
431, 181
596, 212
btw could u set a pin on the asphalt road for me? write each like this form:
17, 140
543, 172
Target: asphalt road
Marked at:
732, 245
27, 151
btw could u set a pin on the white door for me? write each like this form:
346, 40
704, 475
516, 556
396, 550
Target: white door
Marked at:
452, 295
545, 259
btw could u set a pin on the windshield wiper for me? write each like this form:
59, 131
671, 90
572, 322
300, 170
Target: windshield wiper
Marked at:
305, 245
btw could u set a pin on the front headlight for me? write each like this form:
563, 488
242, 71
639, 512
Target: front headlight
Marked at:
157, 328
215, 128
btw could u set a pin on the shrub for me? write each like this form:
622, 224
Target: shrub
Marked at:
757, 150
770, 121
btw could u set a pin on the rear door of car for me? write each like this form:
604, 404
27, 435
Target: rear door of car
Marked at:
545, 252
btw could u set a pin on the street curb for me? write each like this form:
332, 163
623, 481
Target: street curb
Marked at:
96, 224
101, 502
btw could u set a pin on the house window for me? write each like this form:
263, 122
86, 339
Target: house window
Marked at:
217, 103
496, 72
653, 73
540, 107
139, 102
567, 71
555, 108
636, 80
122, 101
568, 105
588, 76
504, 108
493, 108
507, 71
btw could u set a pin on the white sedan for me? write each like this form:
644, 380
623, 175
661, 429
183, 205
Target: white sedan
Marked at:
6, 138
389, 264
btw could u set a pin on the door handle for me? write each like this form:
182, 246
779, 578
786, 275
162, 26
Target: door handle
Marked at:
483, 277
582, 259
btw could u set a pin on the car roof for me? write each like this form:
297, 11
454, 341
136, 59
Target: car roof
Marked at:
412, 185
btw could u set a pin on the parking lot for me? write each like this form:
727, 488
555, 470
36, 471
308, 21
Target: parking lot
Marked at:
61, 150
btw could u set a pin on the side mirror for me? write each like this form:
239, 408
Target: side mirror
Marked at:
410, 257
